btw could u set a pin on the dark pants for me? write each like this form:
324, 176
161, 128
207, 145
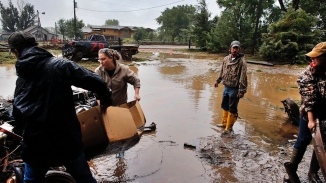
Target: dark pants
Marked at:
230, 99
78, 169
304, 136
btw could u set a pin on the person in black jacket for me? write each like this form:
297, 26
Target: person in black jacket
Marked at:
44, 110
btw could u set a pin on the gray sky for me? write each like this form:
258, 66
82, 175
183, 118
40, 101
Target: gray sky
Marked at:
140, 13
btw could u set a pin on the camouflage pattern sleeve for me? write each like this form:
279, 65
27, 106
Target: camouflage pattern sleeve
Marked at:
219, 79
308, 89
243, 77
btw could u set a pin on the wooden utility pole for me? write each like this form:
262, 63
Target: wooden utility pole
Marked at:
55, 27
75, 20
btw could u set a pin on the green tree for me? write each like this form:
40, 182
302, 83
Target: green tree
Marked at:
290, 38
284, 4
111, 22
249, 20
9, 17
317, 9
14, 19
223, 33
173, 20
150, 36
27, 17
201, 24
70, 31
139, 34
62, 27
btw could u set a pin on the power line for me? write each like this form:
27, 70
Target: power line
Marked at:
113, 3
133, 10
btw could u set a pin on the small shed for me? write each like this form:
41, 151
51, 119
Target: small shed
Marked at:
40, 33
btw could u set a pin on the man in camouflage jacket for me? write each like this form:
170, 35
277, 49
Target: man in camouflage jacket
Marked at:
234, 77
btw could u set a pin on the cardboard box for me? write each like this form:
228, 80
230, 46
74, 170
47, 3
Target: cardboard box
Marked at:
136, 113
92, 128
118, 123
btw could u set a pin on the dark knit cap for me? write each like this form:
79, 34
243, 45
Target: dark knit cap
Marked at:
20, 39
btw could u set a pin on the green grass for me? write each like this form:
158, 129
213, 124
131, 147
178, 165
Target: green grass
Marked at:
136, 59
5, 58
282, 89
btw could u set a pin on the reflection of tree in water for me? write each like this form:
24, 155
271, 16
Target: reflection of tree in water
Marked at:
173, 70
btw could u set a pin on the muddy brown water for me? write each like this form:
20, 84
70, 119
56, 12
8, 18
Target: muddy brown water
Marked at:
177, 94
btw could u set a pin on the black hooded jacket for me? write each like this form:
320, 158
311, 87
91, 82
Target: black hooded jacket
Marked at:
44, 108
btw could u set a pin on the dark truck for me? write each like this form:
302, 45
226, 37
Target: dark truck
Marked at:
76, 50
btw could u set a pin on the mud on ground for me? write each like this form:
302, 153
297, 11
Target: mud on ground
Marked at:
242, 158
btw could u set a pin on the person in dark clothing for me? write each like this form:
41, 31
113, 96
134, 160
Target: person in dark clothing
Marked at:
312, 87
44, 110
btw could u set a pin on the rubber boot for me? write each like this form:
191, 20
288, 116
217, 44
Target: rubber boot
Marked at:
313, 170
231, 120
225, 114
296, 158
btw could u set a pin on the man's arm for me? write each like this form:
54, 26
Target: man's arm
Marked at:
243, 79
88, 80
137, 96
219, 79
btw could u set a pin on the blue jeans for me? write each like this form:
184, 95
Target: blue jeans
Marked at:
230, 99
304, 136
78, 169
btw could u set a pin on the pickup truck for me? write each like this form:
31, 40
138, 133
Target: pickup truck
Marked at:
76, 50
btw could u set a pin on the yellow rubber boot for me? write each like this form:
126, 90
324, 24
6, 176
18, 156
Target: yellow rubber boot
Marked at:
225, 115
232, 118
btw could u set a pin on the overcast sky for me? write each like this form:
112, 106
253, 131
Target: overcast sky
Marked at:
141, 13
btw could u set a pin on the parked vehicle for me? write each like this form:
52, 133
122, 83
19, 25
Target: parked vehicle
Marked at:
76, 50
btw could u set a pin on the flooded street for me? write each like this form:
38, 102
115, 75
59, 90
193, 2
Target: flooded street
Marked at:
178, 94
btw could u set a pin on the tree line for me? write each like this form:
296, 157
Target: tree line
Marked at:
278, 33
277, 30
22, 16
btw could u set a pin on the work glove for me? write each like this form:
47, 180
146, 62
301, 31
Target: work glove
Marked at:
106, 100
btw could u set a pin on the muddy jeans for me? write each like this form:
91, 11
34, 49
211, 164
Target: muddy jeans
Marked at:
78, 169
230, 99
304, 136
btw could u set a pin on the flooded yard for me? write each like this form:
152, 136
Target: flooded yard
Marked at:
178, 94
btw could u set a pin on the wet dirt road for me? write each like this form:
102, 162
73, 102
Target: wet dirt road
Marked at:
178, 95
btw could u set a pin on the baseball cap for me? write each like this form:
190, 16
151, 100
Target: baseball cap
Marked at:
318, 50
235, 43
21, 39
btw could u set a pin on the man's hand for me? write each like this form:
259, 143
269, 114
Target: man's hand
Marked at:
311, 124
240, 95
216, 85
103, 108
137, 97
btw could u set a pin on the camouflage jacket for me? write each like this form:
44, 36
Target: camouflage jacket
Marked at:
311, 86
234, 73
